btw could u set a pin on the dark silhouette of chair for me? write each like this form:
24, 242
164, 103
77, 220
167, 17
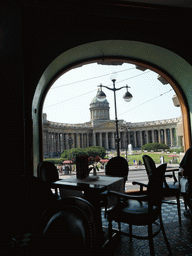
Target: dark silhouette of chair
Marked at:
141, 210
188, 194
170, 189
47, 172
67, 226
117, 167
186, 164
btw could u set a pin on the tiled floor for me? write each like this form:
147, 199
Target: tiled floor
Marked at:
180, 238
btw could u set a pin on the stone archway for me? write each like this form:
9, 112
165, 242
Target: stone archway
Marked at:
168, 64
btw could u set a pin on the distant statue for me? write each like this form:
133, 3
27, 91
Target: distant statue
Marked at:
161, 159
130, 149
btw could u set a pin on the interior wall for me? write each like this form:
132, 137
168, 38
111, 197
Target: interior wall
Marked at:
153, 57
34, 33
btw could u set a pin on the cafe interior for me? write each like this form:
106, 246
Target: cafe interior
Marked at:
40, 41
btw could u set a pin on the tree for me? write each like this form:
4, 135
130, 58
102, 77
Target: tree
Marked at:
90, 151
154, 146
96, 151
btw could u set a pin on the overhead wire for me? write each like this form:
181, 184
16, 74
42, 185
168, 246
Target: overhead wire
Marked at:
93, 90
108, 121
146, 102
90, 78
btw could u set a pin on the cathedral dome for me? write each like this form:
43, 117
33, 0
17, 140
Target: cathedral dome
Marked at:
99, 110
95, 100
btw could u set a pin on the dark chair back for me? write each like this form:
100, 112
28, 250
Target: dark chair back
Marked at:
190, 183
155, 185
58, 227
47, 172
69, 228
117, 167
38, 198
149, 164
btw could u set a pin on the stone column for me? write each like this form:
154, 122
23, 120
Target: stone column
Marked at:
64, 141
147, 136
52, 148
94, 139
122, 139
171, 137
152, 135
141, 138
56, 142
106, 141
87, 139
82, 141
50, 142
165, 135
100, 139
113, 140
134, 137
72, 137
129, 137
159, 135
45, 143
78, 140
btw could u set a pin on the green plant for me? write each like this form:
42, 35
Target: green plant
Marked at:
154, 146
90, 151
55, 161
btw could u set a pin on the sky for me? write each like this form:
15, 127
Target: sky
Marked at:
69, 98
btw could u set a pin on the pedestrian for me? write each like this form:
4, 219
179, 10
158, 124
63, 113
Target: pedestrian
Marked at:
185, 168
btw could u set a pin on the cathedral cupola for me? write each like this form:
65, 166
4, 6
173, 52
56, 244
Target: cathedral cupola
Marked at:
99, 110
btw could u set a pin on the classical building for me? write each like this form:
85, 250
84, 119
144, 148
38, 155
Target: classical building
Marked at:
100, 131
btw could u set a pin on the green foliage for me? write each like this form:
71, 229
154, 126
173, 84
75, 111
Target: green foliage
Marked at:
55, 161
154, 146
154, 156
90, 151
95, 151
72, 153
176, 150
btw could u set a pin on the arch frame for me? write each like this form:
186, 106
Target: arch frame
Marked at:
173, 68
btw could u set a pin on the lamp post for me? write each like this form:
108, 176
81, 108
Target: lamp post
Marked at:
127, 97
127, 134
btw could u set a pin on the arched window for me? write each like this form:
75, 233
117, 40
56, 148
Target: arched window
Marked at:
158, 59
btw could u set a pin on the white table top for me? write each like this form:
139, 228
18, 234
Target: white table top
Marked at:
103, 180
112, 183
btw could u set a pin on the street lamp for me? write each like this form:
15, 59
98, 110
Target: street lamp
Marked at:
127, 97
128, 130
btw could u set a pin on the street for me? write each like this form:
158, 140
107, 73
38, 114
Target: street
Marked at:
135, 174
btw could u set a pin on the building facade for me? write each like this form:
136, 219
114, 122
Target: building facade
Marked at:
100, 131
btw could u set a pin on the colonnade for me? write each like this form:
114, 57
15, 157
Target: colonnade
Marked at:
57, 142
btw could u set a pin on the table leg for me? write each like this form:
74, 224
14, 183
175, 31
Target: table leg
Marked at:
94, 199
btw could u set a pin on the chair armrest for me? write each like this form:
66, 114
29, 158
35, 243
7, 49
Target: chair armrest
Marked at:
165, 183
169, 176
126, 196
173, 174
140, 184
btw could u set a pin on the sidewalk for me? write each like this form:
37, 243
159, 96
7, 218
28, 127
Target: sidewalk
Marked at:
135, 174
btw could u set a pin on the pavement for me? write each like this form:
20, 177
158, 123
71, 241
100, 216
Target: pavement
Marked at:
135, 174
180, 238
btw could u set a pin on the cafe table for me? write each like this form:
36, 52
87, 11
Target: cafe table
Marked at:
91, 190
